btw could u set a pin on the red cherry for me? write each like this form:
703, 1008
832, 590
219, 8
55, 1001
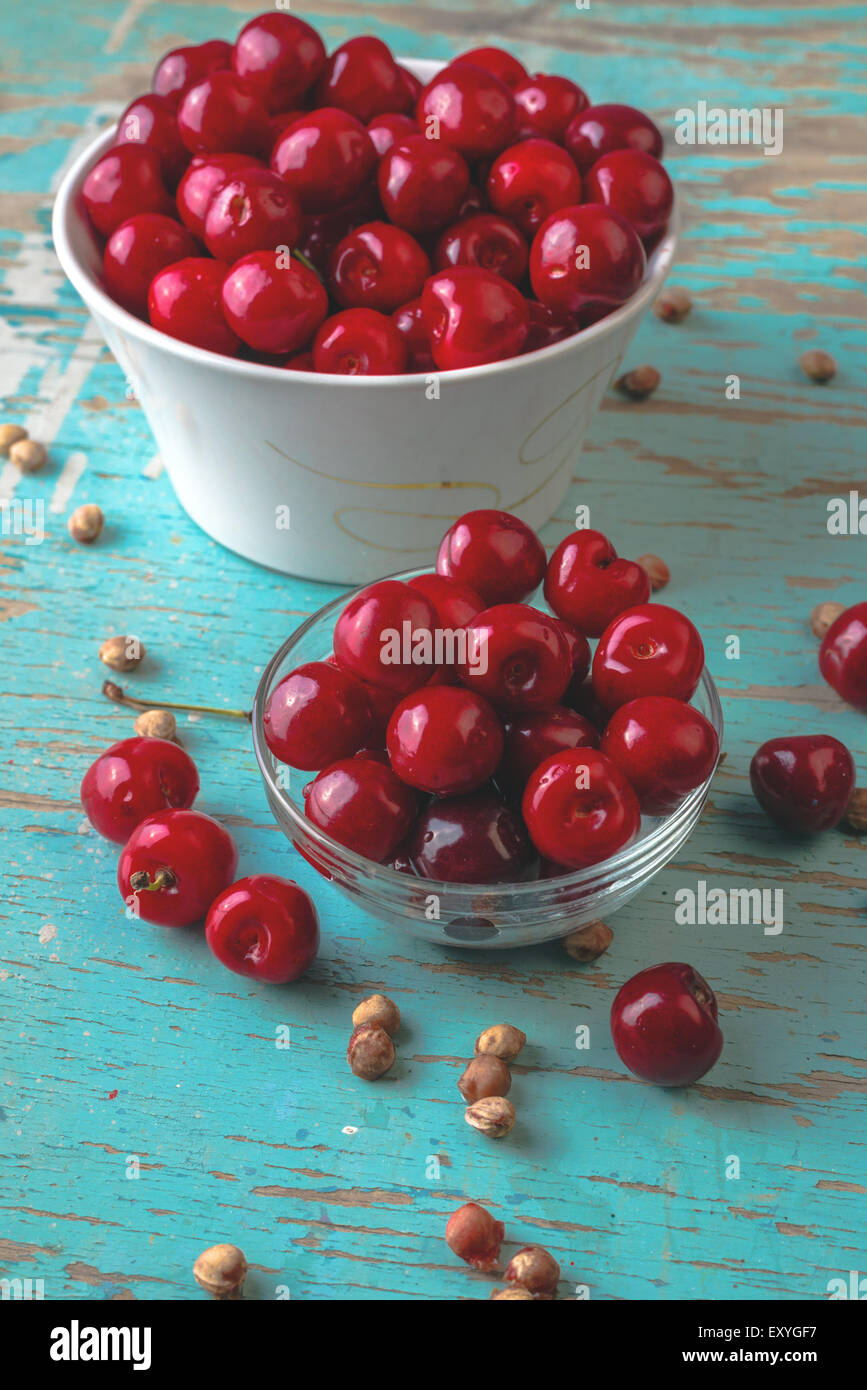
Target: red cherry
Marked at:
359, 342
472, 317
474, 1236
410, 324
125, 181
264, 927
546, 104
496, 61
315, 716
516, 656
411, 86
531, 738
579, 808
444, 740
361, 76
468, 109
134, 779
220, 114
495, 553
200, 183
150, 120
843, 656
474, 201
664, 1025
182, 68
588, 585
184, 301
273, 302
635, 185
470, 839
422, 184
281, 122
323, 230
648, 650
455, 603
579, 650
279, 57
326, 158
363, 805
486, 241
136, 251
665, 748
173, 866
531, 180
377, 267
301, 362
385, 635
252, 211
546, 327
600, 129
803, 781
586, 258
389, 130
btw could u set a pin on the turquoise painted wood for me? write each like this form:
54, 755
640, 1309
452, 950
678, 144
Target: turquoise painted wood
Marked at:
125, 1050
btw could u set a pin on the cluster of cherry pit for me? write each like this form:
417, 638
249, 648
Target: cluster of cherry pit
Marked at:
331, 214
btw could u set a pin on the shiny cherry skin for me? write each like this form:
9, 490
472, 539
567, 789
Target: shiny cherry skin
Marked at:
221, 114
264, 927
323, 230
546, 327
204, 177
279, 123
273, 302
665, 748
252, 211
487, 241
472, 317
843, 656
803, 781
599, 130
182, 68
377, 266
150, 120
136, 251
410, 324
648, 650
586, 584
370, 633
664, 1025
134, 779
531, 180
363, 805
279, 57
456, 604
444, 740
359, 342
184, 301
475, 111
495, 553
571, 279
531, 738
579, 650
579, 808
422, 184
546, 104
411, 85
326, 158
316, 715
634, 184
389, 130
517, 657
173, 866
125, 181
470, 839
497, 61
362, 77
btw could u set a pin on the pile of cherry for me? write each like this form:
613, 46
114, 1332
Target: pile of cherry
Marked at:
330, 214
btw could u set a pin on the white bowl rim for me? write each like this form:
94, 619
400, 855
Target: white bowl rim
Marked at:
95, 297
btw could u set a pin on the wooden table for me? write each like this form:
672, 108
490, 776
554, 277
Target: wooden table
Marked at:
146, 1110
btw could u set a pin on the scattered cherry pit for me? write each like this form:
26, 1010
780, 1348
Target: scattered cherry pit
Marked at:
329, 214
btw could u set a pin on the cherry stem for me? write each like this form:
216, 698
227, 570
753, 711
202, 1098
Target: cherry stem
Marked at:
141, 881
117, 695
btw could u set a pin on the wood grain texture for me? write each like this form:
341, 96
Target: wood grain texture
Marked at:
119, 1040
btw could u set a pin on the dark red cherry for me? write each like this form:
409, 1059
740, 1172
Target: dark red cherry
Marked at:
803, 781
184, 301
252, 211
389, 130
279, 57
517, 657
531, 180
487, 241
182, 68
531, 738
444, 739
136, 251
636, 185
124, 182
377, 266
150, 120
220, 114
473, 317
579, 808
600, 129
316, 715
497, 61
385, 635
326, 158
134, 779
546, 104
586, 584
664, 1025
664, 747
273, 302
410, 324
363, 805
648, 650
359, 342
264, 927
469, 109
455, 603
470, 839
205, 175
586, 258
361, 76
422, 184
843, 656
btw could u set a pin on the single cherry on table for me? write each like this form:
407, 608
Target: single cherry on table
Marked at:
264, 927
664, 1025
173, 866
133, 779
803, 781
843, 656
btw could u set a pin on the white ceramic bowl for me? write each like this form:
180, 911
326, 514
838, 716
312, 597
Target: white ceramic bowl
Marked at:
371, 469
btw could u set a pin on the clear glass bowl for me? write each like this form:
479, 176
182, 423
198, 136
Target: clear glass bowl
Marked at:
460, 914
